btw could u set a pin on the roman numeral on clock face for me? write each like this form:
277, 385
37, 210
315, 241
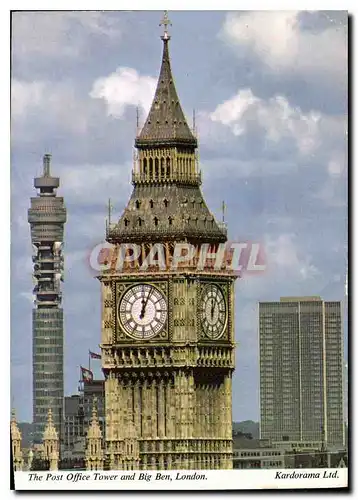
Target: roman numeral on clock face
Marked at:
142, 311
213, 311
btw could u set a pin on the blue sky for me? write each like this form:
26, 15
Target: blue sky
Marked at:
269, 90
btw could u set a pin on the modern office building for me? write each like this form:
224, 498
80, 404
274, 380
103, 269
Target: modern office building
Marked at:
256, 454
93, 393
78, 413
47, 217
73, 422
301, 371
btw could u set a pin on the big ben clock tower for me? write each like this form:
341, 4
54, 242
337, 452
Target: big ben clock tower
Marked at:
167, 331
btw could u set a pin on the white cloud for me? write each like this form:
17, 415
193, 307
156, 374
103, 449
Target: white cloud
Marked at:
278, 39
283, 254
275, 116
59, 34
333, 193
337, 165
25, 95
54, 104
125, 87
289, 271
232, 111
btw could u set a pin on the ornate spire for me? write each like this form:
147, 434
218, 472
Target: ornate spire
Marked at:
94, 452
15, 432
17, 459
94, 430
50, 443
166, 123
50, 432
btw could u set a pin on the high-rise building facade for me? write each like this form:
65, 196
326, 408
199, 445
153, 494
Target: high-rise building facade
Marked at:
167, 334
301, 371
78, 412
47, 217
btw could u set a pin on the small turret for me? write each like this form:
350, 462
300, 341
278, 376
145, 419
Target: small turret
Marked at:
17, 458
50, 442
94, 450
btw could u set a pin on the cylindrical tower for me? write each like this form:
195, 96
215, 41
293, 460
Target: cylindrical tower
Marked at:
47, 216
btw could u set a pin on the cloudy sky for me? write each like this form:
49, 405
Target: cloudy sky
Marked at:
269, 90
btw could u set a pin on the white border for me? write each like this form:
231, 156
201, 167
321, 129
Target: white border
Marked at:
181, 480
5, 143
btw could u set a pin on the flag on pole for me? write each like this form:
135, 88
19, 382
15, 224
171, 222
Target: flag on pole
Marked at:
94, 355
87, 375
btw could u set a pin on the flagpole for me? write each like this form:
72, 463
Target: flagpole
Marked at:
89, 359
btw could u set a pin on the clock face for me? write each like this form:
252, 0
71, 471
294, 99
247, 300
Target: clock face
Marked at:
142, 312
213, 312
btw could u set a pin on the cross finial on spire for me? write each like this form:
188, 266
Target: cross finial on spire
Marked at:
165, 22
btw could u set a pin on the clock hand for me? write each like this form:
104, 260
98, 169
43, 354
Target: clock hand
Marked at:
212, 308
142, 302
142, 313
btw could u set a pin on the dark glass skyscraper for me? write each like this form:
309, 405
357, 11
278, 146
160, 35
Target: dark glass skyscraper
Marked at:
47, 216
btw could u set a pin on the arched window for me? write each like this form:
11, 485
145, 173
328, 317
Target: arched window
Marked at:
157, 168
126, 222
151, 168
137, 204
156, 220
145, 167
166, 202
151, 203
140, 222
168, 166
162, 168
170, 220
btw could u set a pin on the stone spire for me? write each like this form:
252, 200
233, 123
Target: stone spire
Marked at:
94, 450
17, 458
50, 442
166, 204
166, 123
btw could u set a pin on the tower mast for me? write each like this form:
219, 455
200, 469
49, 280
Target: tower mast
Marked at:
47, 217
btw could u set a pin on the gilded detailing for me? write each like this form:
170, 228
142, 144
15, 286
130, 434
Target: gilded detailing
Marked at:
166, 166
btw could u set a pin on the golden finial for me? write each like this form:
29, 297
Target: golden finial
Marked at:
165, 22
